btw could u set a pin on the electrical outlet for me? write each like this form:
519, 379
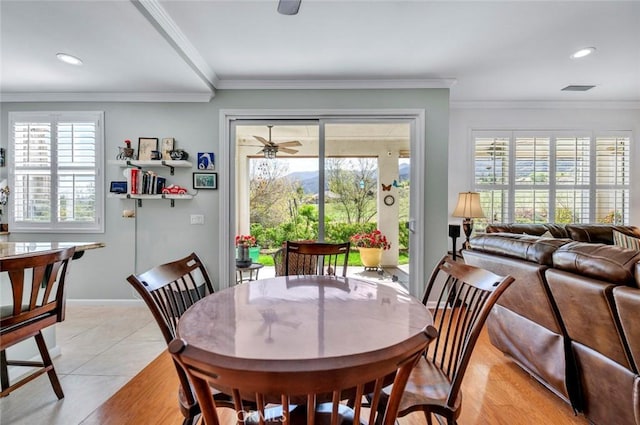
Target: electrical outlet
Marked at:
197, 219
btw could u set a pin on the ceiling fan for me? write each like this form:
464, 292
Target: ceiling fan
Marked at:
288, 7
271, 148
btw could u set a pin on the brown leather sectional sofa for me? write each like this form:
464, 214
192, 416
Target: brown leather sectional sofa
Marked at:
571, 319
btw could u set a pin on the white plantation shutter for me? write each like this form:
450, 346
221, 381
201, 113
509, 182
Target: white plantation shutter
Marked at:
612, 178
557, 177
56, 180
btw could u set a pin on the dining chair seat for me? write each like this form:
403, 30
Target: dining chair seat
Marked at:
427, 385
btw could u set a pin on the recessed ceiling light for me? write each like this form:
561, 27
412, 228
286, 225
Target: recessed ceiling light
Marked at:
583, 52
66, 58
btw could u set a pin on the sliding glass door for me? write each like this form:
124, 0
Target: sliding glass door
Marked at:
324, 180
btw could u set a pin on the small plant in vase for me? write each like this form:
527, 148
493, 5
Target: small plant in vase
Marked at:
370, 244
244, 245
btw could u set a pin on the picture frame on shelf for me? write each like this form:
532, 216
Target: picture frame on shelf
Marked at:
205, 180
167, 147
118, 187
145, 146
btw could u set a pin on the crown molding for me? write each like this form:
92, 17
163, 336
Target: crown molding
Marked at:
435, 83
105, 97
535, 104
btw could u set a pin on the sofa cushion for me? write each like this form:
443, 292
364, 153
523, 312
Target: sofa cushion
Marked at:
556, 230
625, 241
610, 263
525, 247
599, 233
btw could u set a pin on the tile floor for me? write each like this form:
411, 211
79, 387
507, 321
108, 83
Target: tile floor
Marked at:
102, 349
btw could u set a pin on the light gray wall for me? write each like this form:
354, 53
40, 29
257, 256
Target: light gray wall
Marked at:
160, 233
465, 120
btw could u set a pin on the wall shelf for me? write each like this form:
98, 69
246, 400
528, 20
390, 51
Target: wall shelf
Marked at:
140, 198
171, 163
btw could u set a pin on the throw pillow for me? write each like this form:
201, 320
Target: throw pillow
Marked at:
546, 235
626, 241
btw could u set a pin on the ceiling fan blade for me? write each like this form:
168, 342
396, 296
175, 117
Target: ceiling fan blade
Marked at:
262, 139
288, 7
291, 143
287, 150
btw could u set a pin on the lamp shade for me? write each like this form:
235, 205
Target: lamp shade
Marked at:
468, 206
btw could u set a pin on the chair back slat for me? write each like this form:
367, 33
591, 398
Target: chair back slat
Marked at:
39, 278
316, 258
323, 389
464, 296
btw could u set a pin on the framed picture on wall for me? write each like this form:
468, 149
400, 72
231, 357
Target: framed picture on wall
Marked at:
166, 147
145, 146
205, 180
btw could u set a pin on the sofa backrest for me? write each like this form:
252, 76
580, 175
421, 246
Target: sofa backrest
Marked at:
556, 230
610, 263
594, 233
525, 247
598, 233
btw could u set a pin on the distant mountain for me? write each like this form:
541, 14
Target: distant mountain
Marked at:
309, 179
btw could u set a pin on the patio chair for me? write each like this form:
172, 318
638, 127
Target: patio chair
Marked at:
316, 258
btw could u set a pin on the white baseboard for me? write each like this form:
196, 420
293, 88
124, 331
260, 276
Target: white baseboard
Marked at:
116, 302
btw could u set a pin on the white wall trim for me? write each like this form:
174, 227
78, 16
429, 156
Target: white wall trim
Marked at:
507, 104
437, 83
108, 302
106, 97
158, 17
417, 202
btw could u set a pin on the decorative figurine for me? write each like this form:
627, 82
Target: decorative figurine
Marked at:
125, 153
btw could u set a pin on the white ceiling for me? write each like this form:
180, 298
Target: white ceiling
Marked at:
184, 50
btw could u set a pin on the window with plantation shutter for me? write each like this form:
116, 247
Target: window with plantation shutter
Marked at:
553, 176
55, 172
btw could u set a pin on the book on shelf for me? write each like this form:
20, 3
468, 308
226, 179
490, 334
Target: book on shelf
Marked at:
144, 182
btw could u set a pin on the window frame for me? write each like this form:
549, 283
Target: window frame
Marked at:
55, 117
552, 186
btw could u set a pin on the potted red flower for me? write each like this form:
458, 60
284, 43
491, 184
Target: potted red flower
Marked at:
249, 245
370, 244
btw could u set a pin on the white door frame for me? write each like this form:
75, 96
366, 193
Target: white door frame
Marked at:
226, 170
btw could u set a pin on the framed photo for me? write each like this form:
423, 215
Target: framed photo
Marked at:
118, 187
166, 147
145, 146
205, 180
206, 161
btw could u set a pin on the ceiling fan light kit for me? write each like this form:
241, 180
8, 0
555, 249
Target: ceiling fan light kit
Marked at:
271, 148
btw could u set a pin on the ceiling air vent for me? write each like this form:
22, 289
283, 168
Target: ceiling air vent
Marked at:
577, 88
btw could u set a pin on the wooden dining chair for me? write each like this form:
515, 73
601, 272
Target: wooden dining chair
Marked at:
316, 258
37, 302
169, 290
319, 390
461, 297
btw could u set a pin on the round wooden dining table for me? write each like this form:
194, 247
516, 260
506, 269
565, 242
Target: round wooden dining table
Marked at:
298, 323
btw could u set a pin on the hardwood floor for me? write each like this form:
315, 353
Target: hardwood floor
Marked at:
495, 391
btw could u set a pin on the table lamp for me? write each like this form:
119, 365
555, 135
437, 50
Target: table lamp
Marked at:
468, 208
